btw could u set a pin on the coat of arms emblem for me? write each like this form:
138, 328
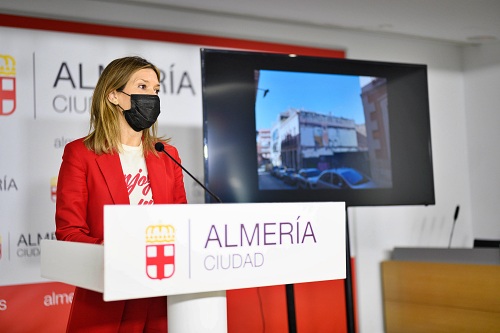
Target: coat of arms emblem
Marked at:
160, 251
7, 85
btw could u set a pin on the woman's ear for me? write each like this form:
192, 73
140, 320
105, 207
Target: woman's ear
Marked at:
113, 97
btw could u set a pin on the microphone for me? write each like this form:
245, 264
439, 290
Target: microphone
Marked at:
161, 148
455, 217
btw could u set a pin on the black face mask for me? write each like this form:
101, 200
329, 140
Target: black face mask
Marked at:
143, 112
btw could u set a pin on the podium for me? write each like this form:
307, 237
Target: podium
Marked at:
194, 253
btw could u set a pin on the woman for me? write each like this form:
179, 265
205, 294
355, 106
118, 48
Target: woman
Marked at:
104, 168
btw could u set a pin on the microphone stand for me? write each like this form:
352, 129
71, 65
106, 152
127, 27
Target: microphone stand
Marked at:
161, 148
455, 217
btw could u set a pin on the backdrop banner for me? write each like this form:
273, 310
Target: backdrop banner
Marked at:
46, 84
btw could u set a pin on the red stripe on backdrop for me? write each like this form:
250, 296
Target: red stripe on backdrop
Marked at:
41, 307
319, 307
165, 36
253, 310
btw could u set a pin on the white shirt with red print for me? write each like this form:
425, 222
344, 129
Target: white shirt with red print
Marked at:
136, 175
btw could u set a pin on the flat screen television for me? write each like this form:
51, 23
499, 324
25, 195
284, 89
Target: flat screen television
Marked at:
288, 128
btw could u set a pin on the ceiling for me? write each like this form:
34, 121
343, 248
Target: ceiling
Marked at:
457, 21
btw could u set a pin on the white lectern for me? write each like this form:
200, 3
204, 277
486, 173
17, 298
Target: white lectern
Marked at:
193, 253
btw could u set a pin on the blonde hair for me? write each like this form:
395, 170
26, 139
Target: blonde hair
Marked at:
104, 133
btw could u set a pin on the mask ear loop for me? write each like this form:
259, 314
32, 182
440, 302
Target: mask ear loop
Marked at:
123, 92
117, 104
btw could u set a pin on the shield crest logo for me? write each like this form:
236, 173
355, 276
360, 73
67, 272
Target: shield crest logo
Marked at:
7, 85
160, 251
53, 189
160, 261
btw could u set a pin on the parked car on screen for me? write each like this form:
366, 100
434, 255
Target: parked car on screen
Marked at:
289, 176
307, 177
277, 171
281, 173
343, 178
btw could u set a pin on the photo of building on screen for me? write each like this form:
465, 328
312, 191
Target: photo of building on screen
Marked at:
308, 149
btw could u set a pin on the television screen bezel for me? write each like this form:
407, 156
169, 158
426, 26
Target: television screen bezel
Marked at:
228, 99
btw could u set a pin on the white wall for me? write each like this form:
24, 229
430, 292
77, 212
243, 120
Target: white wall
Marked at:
482, 104
464, 113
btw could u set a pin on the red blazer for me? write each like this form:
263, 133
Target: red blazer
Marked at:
86, 183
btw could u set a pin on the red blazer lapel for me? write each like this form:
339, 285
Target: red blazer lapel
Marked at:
109, 164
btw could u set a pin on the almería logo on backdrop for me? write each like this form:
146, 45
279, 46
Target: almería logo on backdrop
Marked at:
7, 85
53, 189
160, 251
